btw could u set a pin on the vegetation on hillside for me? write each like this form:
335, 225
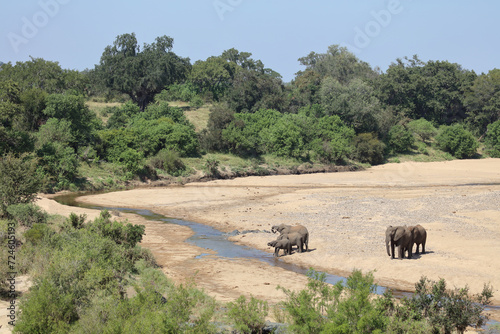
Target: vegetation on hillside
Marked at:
146, 113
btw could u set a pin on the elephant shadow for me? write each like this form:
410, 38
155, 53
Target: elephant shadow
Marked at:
415, 256
296, 250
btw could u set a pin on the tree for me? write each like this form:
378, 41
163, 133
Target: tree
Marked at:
251, 91
141, 74
73, 109
338, 63
492, 139
483, 101
354, 102
456, 140
19, 182
213, 75
433, 90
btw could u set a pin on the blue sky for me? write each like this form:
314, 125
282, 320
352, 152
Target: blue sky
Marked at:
278, 32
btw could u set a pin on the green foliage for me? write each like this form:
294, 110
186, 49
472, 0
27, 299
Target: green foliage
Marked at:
483, 101
325, 308
168, 161
127, 235
245, 135
37, 233
399, 139
19, 182
132, 160
253, 90
433, 90
422, 128
141, 73
368, 149
248, 317
212, 167
447, 310
27, 214
289, 136
333, 139
58, 165
337, 63
354, 102
72, 108
220, 117
492, 139
456, 140
46, 310
177, 92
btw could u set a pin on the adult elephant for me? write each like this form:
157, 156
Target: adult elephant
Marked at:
295, 238
401, 237
287, 229
419, 235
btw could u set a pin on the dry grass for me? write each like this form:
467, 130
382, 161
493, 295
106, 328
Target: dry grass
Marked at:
198, 116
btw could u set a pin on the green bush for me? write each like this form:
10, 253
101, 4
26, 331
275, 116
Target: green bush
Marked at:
333, 139
339, 308
248, 317
168, 161
444, 309
422, 128
37, 233
46, 310
19, 182
125, 234
368, 149
400, 139
457, 141
212, 167
27, 214
492, 139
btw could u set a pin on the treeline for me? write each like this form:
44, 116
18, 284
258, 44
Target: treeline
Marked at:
93, 277
337, 110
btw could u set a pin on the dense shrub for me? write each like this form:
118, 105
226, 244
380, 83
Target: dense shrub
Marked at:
400, 139
444, 309
422, 128
338, 308
168, 161
248, 317
368, 148
59, 166
19, 182
492, 139
27, 214
456, 140
333, 139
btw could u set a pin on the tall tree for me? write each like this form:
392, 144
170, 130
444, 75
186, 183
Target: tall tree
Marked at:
141, 74
483, 101
433, 90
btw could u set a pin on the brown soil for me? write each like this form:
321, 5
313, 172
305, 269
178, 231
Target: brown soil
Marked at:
458, 202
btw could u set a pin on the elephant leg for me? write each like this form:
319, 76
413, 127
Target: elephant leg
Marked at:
392, 250
276, 252
423, 247
417, 250
401, 252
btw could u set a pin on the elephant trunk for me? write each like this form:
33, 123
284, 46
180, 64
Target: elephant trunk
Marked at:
387, 240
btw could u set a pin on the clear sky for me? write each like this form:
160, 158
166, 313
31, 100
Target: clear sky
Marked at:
278, 32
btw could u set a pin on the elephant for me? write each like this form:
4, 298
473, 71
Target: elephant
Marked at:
295, 238
419, 237
284, 244
286, 229
401, 237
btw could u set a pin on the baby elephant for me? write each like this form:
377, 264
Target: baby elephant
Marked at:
284, 244
295, 238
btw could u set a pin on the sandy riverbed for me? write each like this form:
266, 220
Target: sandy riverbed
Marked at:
458, 202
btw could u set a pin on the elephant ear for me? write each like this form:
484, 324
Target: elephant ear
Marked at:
399, 232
